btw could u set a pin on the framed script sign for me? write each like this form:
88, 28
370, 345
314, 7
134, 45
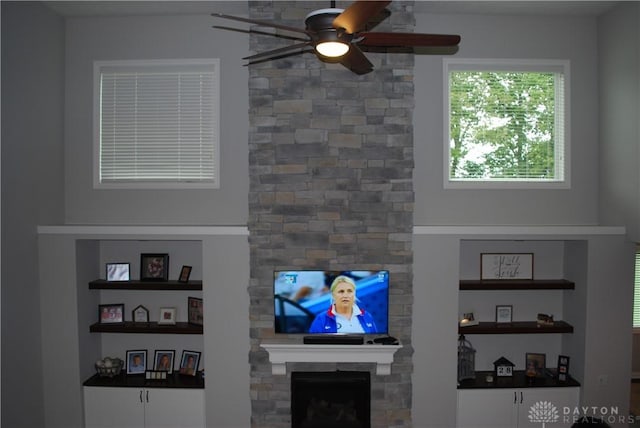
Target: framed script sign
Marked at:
506, 266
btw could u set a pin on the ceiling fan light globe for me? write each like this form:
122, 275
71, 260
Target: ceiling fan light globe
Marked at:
332, 49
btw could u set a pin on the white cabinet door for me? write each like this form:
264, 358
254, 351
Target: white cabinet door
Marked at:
547, 405
486, 408
106, 407
174, 408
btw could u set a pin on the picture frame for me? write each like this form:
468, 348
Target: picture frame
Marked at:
504, 314
189, 363
118, 271
535, 364
111, 313
563, 368
167, 316
154, 267
140, 315
137, 361
195, 310
163, 360
185, 273
505, 266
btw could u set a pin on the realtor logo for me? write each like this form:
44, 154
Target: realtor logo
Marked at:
543, 412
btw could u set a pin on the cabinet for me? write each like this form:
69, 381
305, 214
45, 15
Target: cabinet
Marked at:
143, 407
516, 407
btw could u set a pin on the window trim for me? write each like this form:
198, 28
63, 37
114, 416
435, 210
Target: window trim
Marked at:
159, 185
488, 64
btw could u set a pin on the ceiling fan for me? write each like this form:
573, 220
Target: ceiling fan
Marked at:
337, 35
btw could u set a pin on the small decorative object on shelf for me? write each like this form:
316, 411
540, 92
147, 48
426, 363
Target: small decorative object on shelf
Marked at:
137, 361
164, 360
563, 368
535, 364
545, 320
185, 272
154, 267
189, 363
195, 310
503, 367
167, 316
111, 313
504, 314
155, 375
506, 266
109, 366
118, 272
466, 359
140, 315
468, 320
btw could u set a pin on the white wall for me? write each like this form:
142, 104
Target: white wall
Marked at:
531, 37
619, 71
32, 193
155, 37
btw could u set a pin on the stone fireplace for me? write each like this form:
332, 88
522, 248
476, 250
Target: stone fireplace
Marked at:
331, 163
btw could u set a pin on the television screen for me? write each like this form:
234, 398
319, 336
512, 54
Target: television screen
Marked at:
331, 302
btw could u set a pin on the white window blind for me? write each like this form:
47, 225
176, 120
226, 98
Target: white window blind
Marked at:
636, 292
506, 123
157, 124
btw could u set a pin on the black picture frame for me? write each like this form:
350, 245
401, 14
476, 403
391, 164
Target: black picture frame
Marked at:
136, 362
163, 360
563, 368
118, 271
154, 267
195, 310
189, 363
185, 273
535, 364
504, 314
111, 313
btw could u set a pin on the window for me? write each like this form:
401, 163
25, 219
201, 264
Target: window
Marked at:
506, 124
636, 292
156, 124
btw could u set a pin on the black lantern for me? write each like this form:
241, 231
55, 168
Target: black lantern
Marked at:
466, 359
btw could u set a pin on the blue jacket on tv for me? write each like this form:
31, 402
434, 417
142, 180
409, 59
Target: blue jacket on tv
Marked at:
325, 322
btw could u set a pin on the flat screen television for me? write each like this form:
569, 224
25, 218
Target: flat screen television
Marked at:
303, 301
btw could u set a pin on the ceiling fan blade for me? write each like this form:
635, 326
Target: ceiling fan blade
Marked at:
297, 47
284, 55
407, 39
261, 23
355, 17
356, 61
252, 31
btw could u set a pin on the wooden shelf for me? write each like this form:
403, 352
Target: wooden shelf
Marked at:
516, 284
517, 327
101, 284
152, 327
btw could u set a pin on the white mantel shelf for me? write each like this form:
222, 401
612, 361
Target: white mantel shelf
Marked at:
282, 353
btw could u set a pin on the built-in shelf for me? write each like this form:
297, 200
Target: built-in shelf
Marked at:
516, 284
173, 380
516, 327
282, 353
518, 380
150, 327
101, 284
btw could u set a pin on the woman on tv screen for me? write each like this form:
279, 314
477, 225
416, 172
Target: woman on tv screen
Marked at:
343, 315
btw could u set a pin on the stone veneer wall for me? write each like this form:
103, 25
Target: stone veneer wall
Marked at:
331, 162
